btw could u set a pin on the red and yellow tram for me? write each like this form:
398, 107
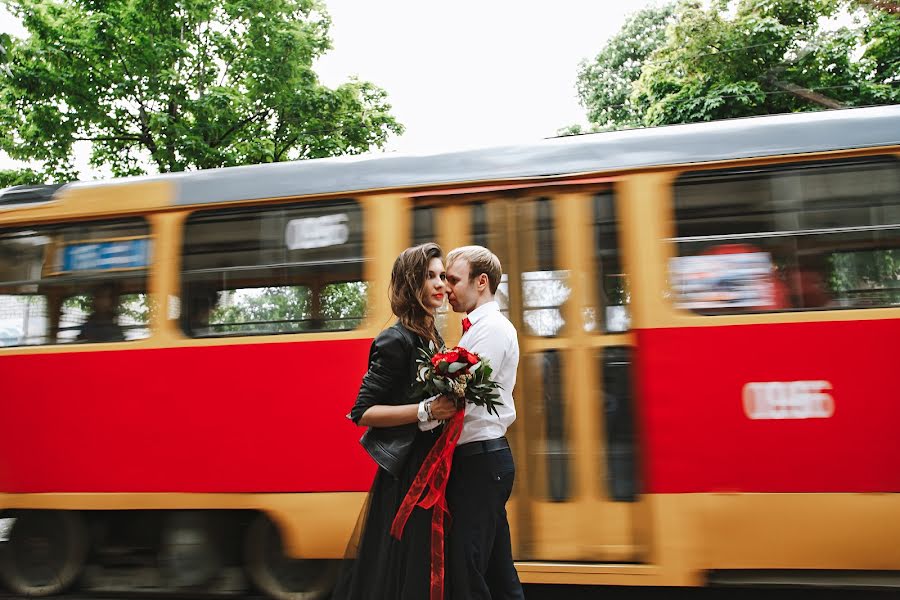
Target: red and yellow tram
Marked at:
706, 392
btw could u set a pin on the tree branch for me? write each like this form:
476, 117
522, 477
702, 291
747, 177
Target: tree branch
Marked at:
262, 113
807, 94
279, 153
110, 138
888, 6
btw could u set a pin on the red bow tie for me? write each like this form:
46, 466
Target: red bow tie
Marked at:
466, 324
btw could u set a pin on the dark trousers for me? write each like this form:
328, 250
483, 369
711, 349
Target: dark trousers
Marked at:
479, 552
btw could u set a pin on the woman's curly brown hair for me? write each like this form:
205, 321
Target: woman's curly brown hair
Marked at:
407, 288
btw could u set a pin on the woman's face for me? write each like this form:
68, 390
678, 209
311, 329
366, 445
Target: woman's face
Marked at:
434, 288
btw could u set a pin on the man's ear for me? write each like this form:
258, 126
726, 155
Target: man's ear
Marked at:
483, 281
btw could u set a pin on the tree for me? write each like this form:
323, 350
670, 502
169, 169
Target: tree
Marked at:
178, 84
741, 58
605, 84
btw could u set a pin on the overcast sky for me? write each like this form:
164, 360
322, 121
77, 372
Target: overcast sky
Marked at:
467, 73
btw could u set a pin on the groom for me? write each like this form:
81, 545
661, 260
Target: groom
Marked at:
479, 556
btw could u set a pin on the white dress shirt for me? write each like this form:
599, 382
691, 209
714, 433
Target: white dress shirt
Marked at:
492, 336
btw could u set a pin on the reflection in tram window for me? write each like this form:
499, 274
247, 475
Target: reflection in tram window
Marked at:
23, 320
785, 238
544, 287
543, 292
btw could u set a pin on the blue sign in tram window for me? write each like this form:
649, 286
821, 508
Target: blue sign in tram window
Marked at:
106, 256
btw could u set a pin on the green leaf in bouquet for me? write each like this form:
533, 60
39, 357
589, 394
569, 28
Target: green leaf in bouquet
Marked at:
455, 367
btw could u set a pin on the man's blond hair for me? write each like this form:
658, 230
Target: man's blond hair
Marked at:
481, 260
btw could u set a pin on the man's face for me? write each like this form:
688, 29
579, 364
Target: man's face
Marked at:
463, 292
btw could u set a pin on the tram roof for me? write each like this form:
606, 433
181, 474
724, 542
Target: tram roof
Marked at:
772, 135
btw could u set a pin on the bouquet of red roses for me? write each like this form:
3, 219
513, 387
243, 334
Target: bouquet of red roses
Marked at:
458, 374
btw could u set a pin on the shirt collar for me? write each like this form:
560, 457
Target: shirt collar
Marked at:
483, 311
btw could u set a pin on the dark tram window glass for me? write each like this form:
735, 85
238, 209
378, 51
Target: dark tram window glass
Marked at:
423, 225
284, 269
613, 293
618, 418
552, 448
480, 225
796, 237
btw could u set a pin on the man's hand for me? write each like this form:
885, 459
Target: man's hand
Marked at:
443, 408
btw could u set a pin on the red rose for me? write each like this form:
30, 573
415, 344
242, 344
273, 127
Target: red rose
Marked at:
452, 356
437, 358
466, 356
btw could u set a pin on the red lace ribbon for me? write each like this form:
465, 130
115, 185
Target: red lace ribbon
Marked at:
428, 490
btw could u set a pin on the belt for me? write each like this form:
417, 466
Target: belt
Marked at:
482, 447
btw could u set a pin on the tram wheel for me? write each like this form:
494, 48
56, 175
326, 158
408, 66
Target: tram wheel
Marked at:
278, 575
45, 553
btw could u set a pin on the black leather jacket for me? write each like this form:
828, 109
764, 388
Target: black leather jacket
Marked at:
392, 370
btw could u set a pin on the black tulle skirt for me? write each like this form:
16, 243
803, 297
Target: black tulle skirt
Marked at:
377, 566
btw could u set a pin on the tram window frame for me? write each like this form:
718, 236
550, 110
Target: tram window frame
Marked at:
774, 249
61, 268
275, 265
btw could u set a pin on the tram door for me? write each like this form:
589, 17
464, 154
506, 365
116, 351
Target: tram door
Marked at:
563, 288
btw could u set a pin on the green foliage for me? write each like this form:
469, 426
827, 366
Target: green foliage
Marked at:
343, 304
875, 274
740, 58
290, 308
605, 84
270, 309
11, 177
188, 84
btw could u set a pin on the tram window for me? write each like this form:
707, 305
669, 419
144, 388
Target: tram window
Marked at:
614, 296
488, 229
544, 287
83, 316
618, 419
423, 225
270, 270
552, 445
74, 282
794, 237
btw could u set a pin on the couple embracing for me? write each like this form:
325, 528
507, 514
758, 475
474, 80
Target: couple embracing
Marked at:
470, 558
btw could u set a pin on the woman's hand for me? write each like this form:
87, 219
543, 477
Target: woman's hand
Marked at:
443, 408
